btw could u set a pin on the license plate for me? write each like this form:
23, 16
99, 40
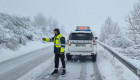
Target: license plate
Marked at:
80, 45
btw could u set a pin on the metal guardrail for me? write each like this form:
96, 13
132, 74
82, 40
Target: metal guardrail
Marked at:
133, 68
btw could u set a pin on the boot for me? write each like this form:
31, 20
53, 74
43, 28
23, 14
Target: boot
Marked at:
55, 71
63, 72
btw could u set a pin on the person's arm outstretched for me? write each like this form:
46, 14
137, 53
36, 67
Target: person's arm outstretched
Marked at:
48, 39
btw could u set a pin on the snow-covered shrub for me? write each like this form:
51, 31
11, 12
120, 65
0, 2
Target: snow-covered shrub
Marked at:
118, 41
8, 25
11, 43
131, 52
16, 31
112, 35
23, 40
109, 28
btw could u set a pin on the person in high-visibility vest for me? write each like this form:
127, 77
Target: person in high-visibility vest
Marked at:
59, 50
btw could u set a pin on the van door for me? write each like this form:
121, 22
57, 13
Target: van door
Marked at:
81, 42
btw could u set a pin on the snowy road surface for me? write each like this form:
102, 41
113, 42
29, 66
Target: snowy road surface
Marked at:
39, 64
15, 68
80, 68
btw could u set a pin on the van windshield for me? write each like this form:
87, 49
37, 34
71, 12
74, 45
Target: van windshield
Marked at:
81, 36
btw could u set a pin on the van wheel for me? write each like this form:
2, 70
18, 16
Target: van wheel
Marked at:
69, 57
94, 58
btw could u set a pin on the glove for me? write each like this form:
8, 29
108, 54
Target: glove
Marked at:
43, 39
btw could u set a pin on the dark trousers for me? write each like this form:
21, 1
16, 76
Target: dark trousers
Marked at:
62, 57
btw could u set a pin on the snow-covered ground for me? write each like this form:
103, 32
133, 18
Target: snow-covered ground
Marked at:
37, 70
31, 46
112, 69
77, 69
42, 64
130, 52
107, 67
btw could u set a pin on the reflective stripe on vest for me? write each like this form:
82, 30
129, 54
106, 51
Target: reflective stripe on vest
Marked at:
57, 42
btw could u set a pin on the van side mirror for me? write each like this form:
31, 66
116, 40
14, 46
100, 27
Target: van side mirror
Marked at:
96, 38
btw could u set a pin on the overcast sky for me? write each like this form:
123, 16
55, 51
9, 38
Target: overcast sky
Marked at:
71, 13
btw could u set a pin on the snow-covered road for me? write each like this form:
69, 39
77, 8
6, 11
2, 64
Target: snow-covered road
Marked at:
15, 68
80, 68
39, 64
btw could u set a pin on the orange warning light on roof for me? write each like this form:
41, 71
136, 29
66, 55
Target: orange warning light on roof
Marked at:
80, 27
85, 28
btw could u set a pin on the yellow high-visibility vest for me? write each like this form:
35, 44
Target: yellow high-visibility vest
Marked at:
57, 42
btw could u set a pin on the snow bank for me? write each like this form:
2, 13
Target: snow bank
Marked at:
118, 41
112, 69
130, 52
131, 61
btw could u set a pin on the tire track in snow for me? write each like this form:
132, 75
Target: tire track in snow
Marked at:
96, 71
77, 69
46, 75
83, 68
83, 71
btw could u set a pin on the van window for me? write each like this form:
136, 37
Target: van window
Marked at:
81, 36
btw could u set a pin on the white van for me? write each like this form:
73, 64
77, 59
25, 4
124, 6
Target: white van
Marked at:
82, 43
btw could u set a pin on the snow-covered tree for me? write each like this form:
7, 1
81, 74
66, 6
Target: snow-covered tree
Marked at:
40, 20
109, 28
111, 35
52, 24
63, 30
16, 31
133, 20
